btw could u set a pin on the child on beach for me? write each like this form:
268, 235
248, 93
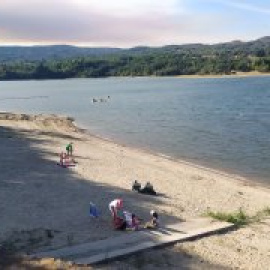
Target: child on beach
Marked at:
65, 160
69, 149
119, 223
131, 220
63, 157
154, 222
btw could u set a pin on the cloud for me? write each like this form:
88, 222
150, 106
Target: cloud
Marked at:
85, 21
122, 23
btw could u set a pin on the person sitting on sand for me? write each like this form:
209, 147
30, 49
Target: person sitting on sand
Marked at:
69, 149
135, 222
66, 160
63, 157
148, 189
154, 222
132, 220
136, 186
119, 223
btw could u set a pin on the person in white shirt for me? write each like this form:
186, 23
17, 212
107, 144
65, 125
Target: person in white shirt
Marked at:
119, 222
115, 205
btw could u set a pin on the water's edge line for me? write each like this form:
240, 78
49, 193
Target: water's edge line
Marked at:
235, 178
80, 128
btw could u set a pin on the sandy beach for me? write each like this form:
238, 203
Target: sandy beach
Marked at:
44, 206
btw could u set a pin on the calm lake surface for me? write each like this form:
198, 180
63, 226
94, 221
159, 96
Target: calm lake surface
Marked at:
221, 123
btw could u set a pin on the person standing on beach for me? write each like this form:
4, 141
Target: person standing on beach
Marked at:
118, 222
114, 206
69, 149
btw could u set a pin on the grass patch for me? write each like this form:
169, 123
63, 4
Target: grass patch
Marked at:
239, 218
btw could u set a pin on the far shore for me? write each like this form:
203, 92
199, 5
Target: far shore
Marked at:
236, 74
38, 196
195, 76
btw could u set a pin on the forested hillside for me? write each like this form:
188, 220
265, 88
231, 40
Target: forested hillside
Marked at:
52, 62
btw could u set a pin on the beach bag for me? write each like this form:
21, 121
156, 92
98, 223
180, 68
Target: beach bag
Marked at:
93, 211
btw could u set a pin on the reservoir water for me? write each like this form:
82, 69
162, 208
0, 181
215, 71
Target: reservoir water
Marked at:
222, 123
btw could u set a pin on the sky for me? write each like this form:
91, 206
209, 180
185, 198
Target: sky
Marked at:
130, 23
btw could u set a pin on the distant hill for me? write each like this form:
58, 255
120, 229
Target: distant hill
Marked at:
34, 53
57, 52
59, 62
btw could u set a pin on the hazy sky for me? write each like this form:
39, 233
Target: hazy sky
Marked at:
128, 23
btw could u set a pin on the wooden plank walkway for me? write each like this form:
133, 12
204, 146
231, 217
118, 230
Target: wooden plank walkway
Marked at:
133, 242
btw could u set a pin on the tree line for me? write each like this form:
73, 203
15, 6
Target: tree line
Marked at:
168, 62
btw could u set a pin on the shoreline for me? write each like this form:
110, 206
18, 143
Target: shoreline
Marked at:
236, 75
195, 76
249, 74
71, 123
58, 198
235, 177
